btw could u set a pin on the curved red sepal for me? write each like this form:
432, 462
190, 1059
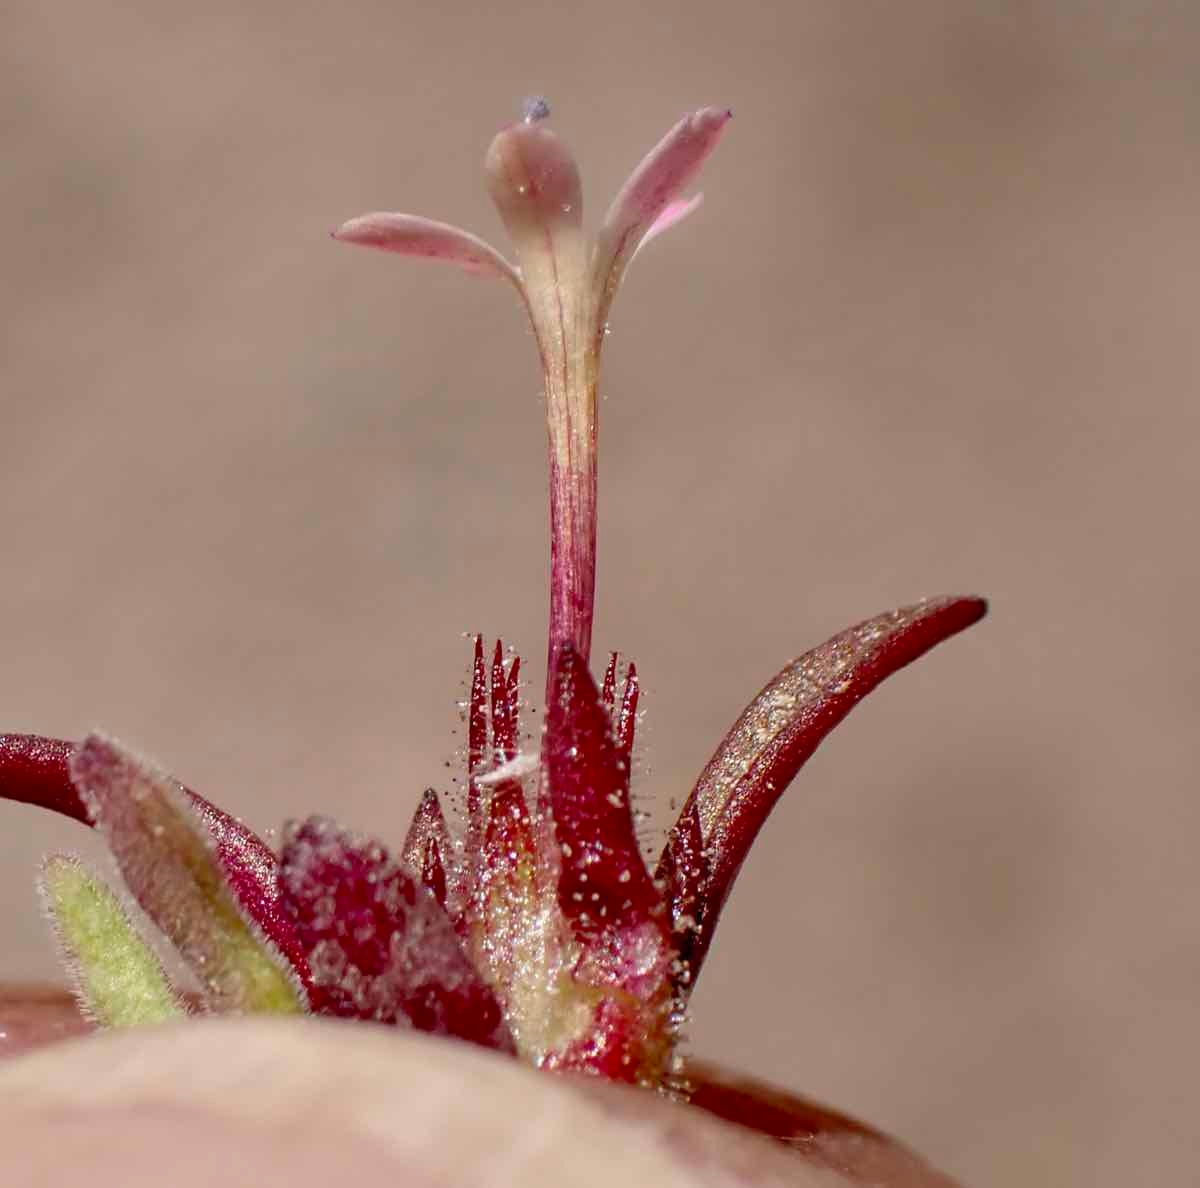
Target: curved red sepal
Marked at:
36, 770
784, 725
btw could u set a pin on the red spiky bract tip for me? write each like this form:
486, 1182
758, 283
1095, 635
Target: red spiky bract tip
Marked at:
626, 722
608, 687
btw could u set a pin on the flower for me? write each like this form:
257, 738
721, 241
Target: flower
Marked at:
567, 281
537, 929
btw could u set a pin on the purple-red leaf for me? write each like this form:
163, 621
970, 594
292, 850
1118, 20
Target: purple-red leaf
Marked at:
35, 770
378, 944
786, 722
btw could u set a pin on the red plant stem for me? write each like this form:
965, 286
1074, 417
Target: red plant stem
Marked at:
572, 548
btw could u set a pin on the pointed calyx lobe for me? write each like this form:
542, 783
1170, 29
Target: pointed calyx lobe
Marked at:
378, 944
771, 741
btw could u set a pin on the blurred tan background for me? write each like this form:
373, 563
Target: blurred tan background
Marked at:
933, 330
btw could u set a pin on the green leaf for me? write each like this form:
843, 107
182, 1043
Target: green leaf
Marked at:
118, 979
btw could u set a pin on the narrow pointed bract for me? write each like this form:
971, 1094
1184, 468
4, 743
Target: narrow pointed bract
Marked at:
626, 723
608, 687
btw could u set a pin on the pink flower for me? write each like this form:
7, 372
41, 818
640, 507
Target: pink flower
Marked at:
537, 928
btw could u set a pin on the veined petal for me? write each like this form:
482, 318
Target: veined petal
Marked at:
781, 728
118, 979
168, 864
413, 235
657, 182
534, 183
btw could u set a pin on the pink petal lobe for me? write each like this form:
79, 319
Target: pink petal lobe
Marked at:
657, 182
783, 726
378, 944
604, 881
672, 215
412, 235
35, 770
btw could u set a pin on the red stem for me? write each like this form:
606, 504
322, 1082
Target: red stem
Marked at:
572, 553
